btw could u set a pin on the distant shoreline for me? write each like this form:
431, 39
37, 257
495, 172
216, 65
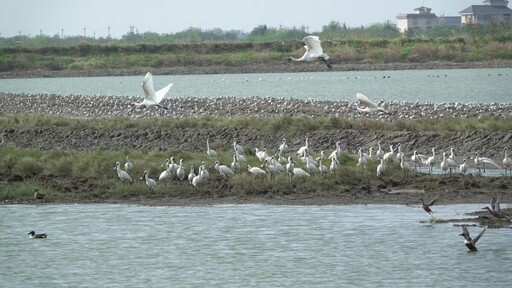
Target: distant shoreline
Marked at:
254, 68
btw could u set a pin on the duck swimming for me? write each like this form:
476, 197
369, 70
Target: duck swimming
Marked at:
38, 236
470, 243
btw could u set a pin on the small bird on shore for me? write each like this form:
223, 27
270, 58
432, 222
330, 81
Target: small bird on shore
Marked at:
369, 105
152, 98
470, 243
314, 51
37, 236
40, 197
426, 206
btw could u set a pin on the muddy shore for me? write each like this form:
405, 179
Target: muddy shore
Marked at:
255, 68
457, 189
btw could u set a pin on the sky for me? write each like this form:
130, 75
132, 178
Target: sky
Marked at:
49, 17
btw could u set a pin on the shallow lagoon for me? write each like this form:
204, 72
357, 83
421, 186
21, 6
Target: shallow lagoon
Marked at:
247, 246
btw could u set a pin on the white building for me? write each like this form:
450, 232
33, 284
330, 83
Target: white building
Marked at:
423, 19
491, 11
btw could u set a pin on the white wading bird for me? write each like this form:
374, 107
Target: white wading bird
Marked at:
314, 51
150, 182
507, 162
152, 98
128, 165
370, 106
482, 161
122, 174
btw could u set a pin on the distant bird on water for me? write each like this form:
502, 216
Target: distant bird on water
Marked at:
152, 98
369, 105
470, 243
314, 51
37, 236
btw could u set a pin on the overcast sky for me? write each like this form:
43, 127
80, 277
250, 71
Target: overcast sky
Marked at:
171, 16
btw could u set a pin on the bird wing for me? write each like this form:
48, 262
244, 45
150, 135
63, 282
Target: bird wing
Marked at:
479, 235
489, 161
313, 45
147, 86
362, 99
160, 94
465, 232
431, 202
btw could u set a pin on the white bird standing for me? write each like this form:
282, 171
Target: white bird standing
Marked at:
180, 172
191, 174
152, 98
380, 152
235, 165
482, 161
210, 152
463, 167
431, 161
205, 175
302, 150
314, 51
321, 167
416, 159
283, 147
369, 105
166, 174
405, 167
150, 182
362, 161
256, 170
381, 167
123, 175
399, 153
199, 177
224, 170
444, 164
334, 165
240, 157
128, 165
507, 162
389, 155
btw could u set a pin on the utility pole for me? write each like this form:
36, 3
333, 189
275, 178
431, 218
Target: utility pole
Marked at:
108, 30
62, 33
84, 31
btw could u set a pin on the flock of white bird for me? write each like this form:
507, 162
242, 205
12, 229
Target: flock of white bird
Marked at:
278, 163
275, 163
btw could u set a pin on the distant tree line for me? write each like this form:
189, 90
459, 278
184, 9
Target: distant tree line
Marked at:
334, 31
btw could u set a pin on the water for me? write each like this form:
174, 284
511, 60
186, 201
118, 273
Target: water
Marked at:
246, 246
435, 86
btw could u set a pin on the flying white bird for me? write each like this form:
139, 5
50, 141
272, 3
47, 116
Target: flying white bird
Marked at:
314, 51
152, 98
370, 106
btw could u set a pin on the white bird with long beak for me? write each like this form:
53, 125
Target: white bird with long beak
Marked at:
123, 175
314, 51
152, 98
150, 182
369, 105
484, 160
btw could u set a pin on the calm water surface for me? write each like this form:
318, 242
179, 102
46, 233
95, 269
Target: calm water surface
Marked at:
246, 246
435, 86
